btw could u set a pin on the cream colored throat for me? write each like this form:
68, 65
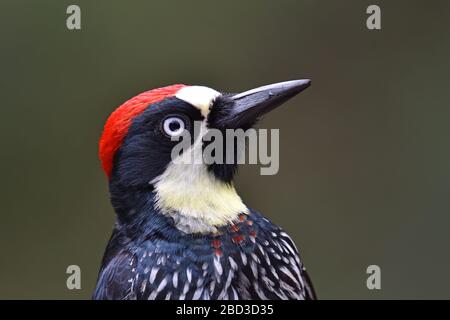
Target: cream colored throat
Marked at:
196, 199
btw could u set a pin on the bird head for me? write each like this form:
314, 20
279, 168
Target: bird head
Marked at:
138, 139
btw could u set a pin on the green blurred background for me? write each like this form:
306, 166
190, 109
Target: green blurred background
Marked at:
364, 164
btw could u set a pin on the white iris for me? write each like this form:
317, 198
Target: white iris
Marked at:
173, 126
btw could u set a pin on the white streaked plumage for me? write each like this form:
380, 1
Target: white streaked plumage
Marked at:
198, 293
153, 274
218, 266
290, 275
232, 263
175, 279
189, 274
244, 258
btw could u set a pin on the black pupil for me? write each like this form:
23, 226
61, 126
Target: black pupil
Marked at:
174, 125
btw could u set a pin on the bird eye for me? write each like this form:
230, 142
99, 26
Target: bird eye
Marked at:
173, 126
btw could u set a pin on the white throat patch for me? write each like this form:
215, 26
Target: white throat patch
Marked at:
193, 196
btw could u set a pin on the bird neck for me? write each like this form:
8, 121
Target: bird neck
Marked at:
196, 200
200, 205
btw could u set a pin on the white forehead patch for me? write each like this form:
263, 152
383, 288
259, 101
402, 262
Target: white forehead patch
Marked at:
199, 97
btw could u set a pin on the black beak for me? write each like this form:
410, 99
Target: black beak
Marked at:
246, 107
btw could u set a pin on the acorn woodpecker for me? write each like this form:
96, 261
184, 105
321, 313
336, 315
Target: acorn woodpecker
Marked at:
181, 230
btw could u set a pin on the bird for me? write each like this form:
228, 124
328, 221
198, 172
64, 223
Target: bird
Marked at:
182, 232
